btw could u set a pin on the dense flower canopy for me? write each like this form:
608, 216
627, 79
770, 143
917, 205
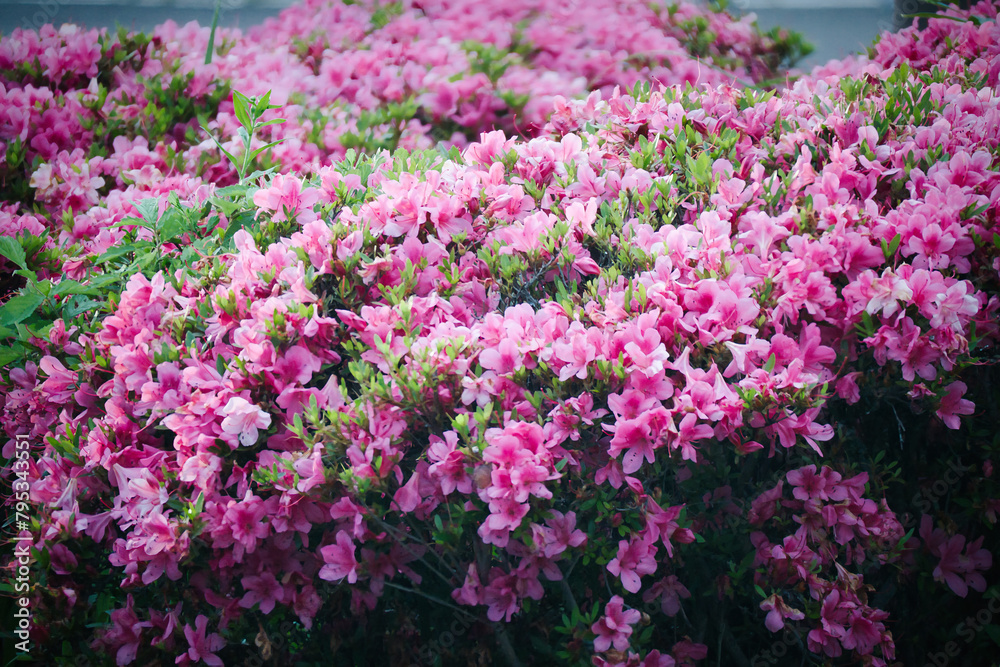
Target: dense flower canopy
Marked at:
538, 321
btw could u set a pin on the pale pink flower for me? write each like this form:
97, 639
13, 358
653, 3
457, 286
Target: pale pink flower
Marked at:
285, 199
244, 418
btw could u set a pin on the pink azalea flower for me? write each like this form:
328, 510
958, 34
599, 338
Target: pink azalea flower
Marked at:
339, 560
614, 627
285, 198
243, 418
635, 558
407, 497
670, 591
500, 595
245, 520
202, 645
952, 405
777, 611
263, 589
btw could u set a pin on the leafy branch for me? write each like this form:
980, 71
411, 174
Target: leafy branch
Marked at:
249, 111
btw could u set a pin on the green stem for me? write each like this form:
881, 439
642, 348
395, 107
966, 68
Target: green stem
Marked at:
431, 598
402, 541
211, 36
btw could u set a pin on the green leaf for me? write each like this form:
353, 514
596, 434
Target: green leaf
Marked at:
892, 247
211, 36
116, 252
771, 361
172, 225
20, 308
27, 274
904, 539
149, 209
264, 148
241, 104
13, 251
262, 105
869, 324
975, 20
224, 151
260, 172
73, 287
233, 190
131, 222
106, 279
83, 306
241, 221
8, 355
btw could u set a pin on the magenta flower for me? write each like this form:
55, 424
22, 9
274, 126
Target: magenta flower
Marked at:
863, 634
245, 520
340, 560
202, 646
670, 591
503, 359
500, 595
952, 565
407, 497
263, 589
635, 558
952, 405
777, 611
614, 627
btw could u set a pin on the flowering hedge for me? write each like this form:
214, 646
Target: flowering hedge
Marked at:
699, 371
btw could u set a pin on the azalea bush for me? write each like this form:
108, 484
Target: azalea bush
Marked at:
676, 370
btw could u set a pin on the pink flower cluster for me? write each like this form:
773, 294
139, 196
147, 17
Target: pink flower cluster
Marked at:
83, 142
837, 527
960, 571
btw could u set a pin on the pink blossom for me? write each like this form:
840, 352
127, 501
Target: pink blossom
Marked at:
339, 560
635, 558
614, 627
244, 418
952, 405
286, 198
777, 611
670, 591
202, 645
263, 589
